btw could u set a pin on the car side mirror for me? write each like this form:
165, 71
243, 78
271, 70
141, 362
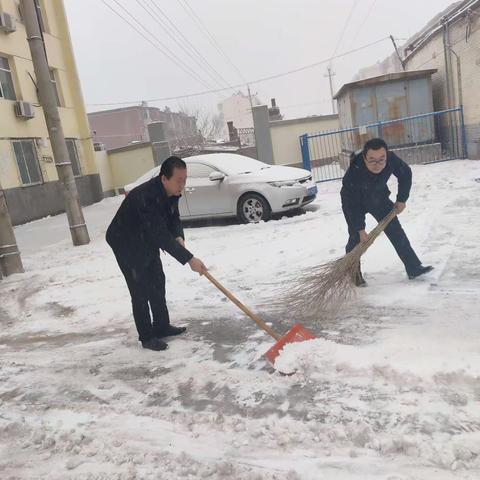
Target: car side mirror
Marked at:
216, 176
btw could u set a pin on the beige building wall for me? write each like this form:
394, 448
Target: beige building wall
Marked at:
14, 47
286, 136
466, 84
105, 171
129, 163
431, 56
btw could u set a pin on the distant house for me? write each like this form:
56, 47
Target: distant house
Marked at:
121, 127
237, 109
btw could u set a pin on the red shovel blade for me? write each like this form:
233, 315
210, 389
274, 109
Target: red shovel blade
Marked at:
297, 333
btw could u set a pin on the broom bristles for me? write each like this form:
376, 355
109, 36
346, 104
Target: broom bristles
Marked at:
325, 288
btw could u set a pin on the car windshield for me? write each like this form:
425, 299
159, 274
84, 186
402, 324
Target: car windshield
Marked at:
232, 164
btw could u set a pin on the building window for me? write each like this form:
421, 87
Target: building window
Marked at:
6, 83
27, 161
73, 155
53, 81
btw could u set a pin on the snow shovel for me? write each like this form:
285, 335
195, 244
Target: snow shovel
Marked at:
297, 333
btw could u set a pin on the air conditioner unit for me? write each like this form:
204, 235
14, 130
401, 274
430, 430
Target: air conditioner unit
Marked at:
41, 142
24, 110
7, 22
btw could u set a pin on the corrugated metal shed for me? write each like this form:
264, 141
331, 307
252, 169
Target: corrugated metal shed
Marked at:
389, 97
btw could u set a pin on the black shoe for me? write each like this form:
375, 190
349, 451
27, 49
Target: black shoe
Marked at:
171, 331
421, 270
360, 281
155, 344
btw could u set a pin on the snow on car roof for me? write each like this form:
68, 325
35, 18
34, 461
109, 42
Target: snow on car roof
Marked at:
229, 163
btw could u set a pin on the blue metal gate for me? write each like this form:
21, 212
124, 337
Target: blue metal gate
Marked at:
419, 139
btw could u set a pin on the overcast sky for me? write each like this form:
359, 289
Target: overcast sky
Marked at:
261, 38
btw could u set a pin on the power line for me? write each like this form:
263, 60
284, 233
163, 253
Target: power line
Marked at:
347, 21
364, 21
165, 47
167, 28
206, 32
163, 50
187, 41
330, 71
260, 80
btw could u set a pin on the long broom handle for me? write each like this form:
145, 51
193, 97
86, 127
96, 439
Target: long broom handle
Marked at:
379, 228
362, 247
242, 307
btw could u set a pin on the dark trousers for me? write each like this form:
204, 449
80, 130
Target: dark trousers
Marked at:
394, 232
147, 290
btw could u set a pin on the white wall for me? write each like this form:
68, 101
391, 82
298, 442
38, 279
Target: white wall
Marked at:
237, 109
286, 133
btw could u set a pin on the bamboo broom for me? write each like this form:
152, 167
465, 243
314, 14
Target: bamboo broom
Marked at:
326, 287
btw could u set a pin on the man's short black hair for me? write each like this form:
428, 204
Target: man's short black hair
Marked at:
374, 144
169, 164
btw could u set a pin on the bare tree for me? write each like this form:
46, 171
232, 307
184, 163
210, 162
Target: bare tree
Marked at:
209, 124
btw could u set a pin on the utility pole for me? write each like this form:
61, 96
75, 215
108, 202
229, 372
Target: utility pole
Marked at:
78, 228
459, 78
448, 61
331, 74
250, 97
402, 62
10, 261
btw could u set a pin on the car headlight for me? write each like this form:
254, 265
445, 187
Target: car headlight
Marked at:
287, 183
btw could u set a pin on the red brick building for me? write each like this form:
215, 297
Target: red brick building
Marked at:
125, 126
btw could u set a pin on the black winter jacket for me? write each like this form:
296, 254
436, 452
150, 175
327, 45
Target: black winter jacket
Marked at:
363, 191
147, 220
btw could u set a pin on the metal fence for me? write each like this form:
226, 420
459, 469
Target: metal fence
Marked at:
246, 136
419, 139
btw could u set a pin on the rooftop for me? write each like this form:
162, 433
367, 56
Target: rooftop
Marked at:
389, 77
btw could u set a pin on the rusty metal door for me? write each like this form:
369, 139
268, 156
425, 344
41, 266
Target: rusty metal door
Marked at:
392, 103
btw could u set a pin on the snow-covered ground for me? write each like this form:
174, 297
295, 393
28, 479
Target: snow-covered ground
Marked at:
390, 390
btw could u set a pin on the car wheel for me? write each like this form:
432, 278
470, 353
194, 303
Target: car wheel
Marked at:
253, 208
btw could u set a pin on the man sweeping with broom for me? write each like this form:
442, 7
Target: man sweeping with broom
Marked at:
364, 190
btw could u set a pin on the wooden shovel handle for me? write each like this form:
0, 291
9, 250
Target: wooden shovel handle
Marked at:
242, 307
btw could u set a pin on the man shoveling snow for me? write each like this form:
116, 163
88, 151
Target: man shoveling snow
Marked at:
148, 220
